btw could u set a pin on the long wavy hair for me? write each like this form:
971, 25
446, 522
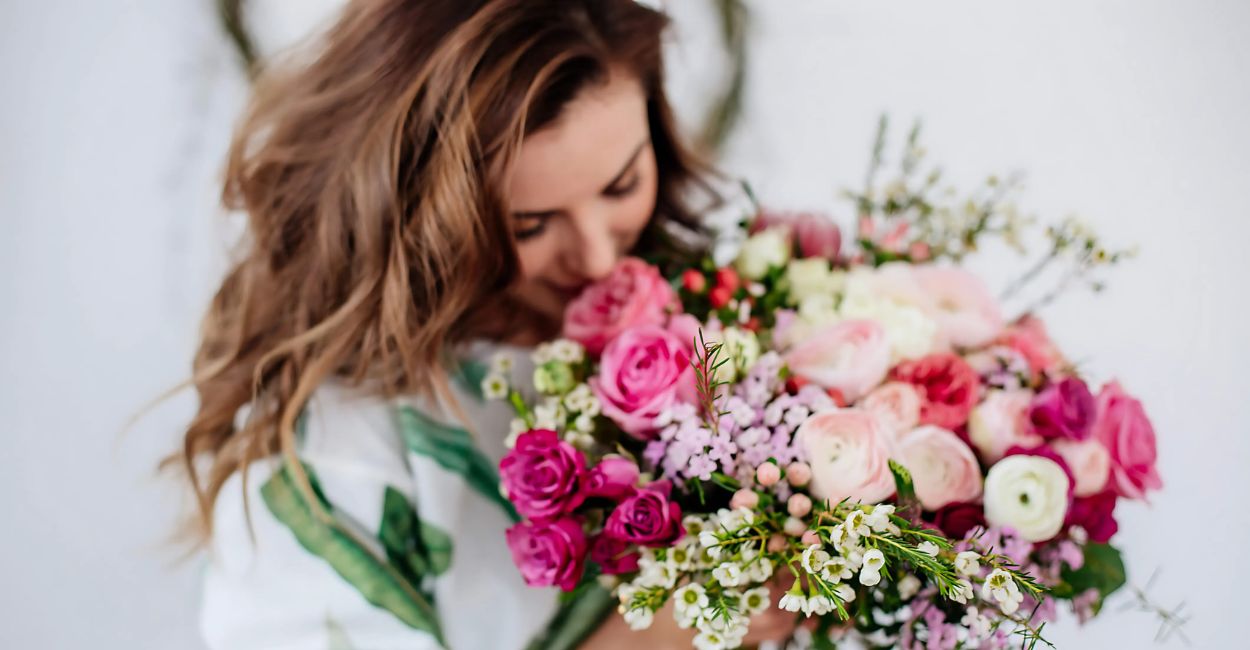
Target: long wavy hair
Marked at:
370, 168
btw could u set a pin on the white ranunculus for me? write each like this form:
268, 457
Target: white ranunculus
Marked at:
812, 276
1029, 494
762, 251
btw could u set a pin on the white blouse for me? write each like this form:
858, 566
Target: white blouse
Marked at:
414, 556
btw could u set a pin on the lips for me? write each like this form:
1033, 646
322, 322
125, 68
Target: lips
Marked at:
568, 292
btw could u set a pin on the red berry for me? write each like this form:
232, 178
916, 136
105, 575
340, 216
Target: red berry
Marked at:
720, 296
693, 281
728, 278
837, 396
794, 383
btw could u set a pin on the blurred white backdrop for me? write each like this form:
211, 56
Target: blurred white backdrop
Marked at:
116, 115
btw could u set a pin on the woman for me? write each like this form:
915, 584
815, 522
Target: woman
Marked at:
436, 184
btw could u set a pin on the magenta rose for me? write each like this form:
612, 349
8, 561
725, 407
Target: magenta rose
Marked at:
949, 385
633, 294
549, 552
958, 519
543, 475
613, 478
647, 518
614, 556
1065, 410
1123, 428
1096, 514
641, 374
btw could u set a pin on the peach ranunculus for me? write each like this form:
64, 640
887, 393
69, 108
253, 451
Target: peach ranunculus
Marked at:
1090, 464
897, 404
943, 467
849, 452
851, 356
633, 294
1001, 422
966, 314
1029, 337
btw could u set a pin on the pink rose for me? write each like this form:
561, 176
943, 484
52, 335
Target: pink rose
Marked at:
1123, 428
1065, 409
613, 478
643, 372
849, 452
1028, 336
966, 314
942, 467
949, 385
1000, 423
633, 294
549, 552
851, 356
1090, 464
897, 404
543, 475
647, 518
613, 555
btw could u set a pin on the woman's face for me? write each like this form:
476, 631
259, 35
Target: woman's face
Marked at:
581, 192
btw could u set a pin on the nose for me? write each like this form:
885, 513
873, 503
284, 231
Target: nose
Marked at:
592, 252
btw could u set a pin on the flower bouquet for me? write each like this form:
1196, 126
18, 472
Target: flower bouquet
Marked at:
857, 436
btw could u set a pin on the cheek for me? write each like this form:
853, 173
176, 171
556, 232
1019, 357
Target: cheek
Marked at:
633, 214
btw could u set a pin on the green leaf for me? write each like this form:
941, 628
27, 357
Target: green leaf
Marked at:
576, 619
470, 375
417, 547
453, 449
379, 583
1103, 570
908, 504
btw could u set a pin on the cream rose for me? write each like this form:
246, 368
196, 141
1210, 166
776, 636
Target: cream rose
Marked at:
891, 297
762, 251
849, 452
812, 276
943, 468
1029, 494
1089, 461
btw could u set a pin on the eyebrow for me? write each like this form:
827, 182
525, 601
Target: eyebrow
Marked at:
537, 214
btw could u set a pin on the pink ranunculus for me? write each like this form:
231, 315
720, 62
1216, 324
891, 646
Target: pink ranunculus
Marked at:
1028, 336
633, 294
966, 314
549, 553
643, 371
1065, 410
1123, 428
648, 518
1096, 514
543, 475
897, 404
949, 385
849, 452
852, 356
612, 555
1090, 464
1001, 422
613, 478
942, 466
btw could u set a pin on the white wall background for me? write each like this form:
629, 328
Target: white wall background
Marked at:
115, 116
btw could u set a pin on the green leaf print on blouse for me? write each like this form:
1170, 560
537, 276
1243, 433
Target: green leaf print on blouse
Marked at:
470, 375
380, 583
453, 449
417, 548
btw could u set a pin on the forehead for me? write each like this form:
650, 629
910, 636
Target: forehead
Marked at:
579, 154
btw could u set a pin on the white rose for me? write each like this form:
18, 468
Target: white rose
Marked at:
1029, 494
763, 250
812, 276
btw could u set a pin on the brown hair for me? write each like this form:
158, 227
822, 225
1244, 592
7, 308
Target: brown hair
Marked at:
371, 178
